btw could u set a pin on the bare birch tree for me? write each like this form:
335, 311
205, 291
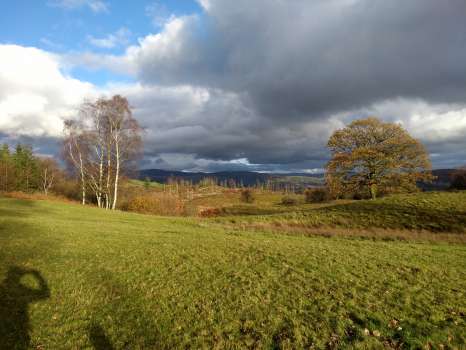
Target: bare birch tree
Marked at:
49, 172
102, 145
124, 133
73, 152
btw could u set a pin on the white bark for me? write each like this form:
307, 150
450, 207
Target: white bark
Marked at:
83, 179
78, 165
47, 180
117, 172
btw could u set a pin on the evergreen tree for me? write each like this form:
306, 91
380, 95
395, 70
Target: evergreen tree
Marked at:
6, 168
26, 169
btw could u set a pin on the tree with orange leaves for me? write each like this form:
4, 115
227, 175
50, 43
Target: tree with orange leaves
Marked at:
370, 157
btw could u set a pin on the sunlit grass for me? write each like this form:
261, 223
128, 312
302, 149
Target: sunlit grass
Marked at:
434, 212
144, 282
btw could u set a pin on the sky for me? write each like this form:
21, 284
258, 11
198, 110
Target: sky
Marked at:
237, 85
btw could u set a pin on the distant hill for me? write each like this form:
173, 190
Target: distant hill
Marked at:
247, 178
295, 180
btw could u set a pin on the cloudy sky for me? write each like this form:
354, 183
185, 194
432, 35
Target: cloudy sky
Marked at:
244, 84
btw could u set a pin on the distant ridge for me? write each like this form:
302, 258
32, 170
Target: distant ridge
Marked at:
251, 178
247, 178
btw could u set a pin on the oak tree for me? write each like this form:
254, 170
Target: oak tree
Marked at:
370, 157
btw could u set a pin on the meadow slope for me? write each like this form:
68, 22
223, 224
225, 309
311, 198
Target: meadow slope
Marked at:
428, 212
122, 280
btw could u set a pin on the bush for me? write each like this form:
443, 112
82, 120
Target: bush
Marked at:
68, 188
459, 180
247, 196
37, 196
316, 195
157, 204
209, 212
287, 200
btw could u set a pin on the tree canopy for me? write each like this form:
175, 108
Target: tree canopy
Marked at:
370, 157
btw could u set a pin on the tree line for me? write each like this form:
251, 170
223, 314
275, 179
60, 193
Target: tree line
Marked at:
21, 170
102, 144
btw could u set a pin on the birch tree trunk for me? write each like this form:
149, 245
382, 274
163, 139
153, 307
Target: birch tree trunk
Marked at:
101, 174
109, 171
117, 172
44, 182
83, 180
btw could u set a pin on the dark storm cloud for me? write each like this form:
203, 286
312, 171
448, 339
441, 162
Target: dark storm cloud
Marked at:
42, 146
262, 84
217, 125
305, 59
272, 79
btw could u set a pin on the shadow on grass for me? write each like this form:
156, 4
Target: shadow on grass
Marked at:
99, 339
14, 207
131, 325
15, 298
21, 286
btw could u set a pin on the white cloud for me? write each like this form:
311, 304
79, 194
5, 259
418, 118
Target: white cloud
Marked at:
205, 4
35, 95
93, 61
430, 122
119, 38
95, 6
158, 13
189, 127
165, 46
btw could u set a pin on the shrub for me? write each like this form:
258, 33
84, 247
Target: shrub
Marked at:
247, 196
38, 196
316, 195
459, 180
147, 183
157, 204
287, 200
209, 212
68, 188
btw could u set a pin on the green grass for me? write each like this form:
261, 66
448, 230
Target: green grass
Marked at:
231, 201
430, 211
140, 282
141, 183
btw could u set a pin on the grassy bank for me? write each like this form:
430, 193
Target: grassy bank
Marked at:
430, 211
141, 282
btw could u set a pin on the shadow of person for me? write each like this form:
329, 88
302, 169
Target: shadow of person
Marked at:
99, 339
15, 298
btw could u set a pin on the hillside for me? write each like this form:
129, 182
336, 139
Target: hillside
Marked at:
424, 211
122, 280
297, 181
247, 178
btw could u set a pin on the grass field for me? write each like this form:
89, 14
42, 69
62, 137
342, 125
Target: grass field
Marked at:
77, 278
140, 183
429, 211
